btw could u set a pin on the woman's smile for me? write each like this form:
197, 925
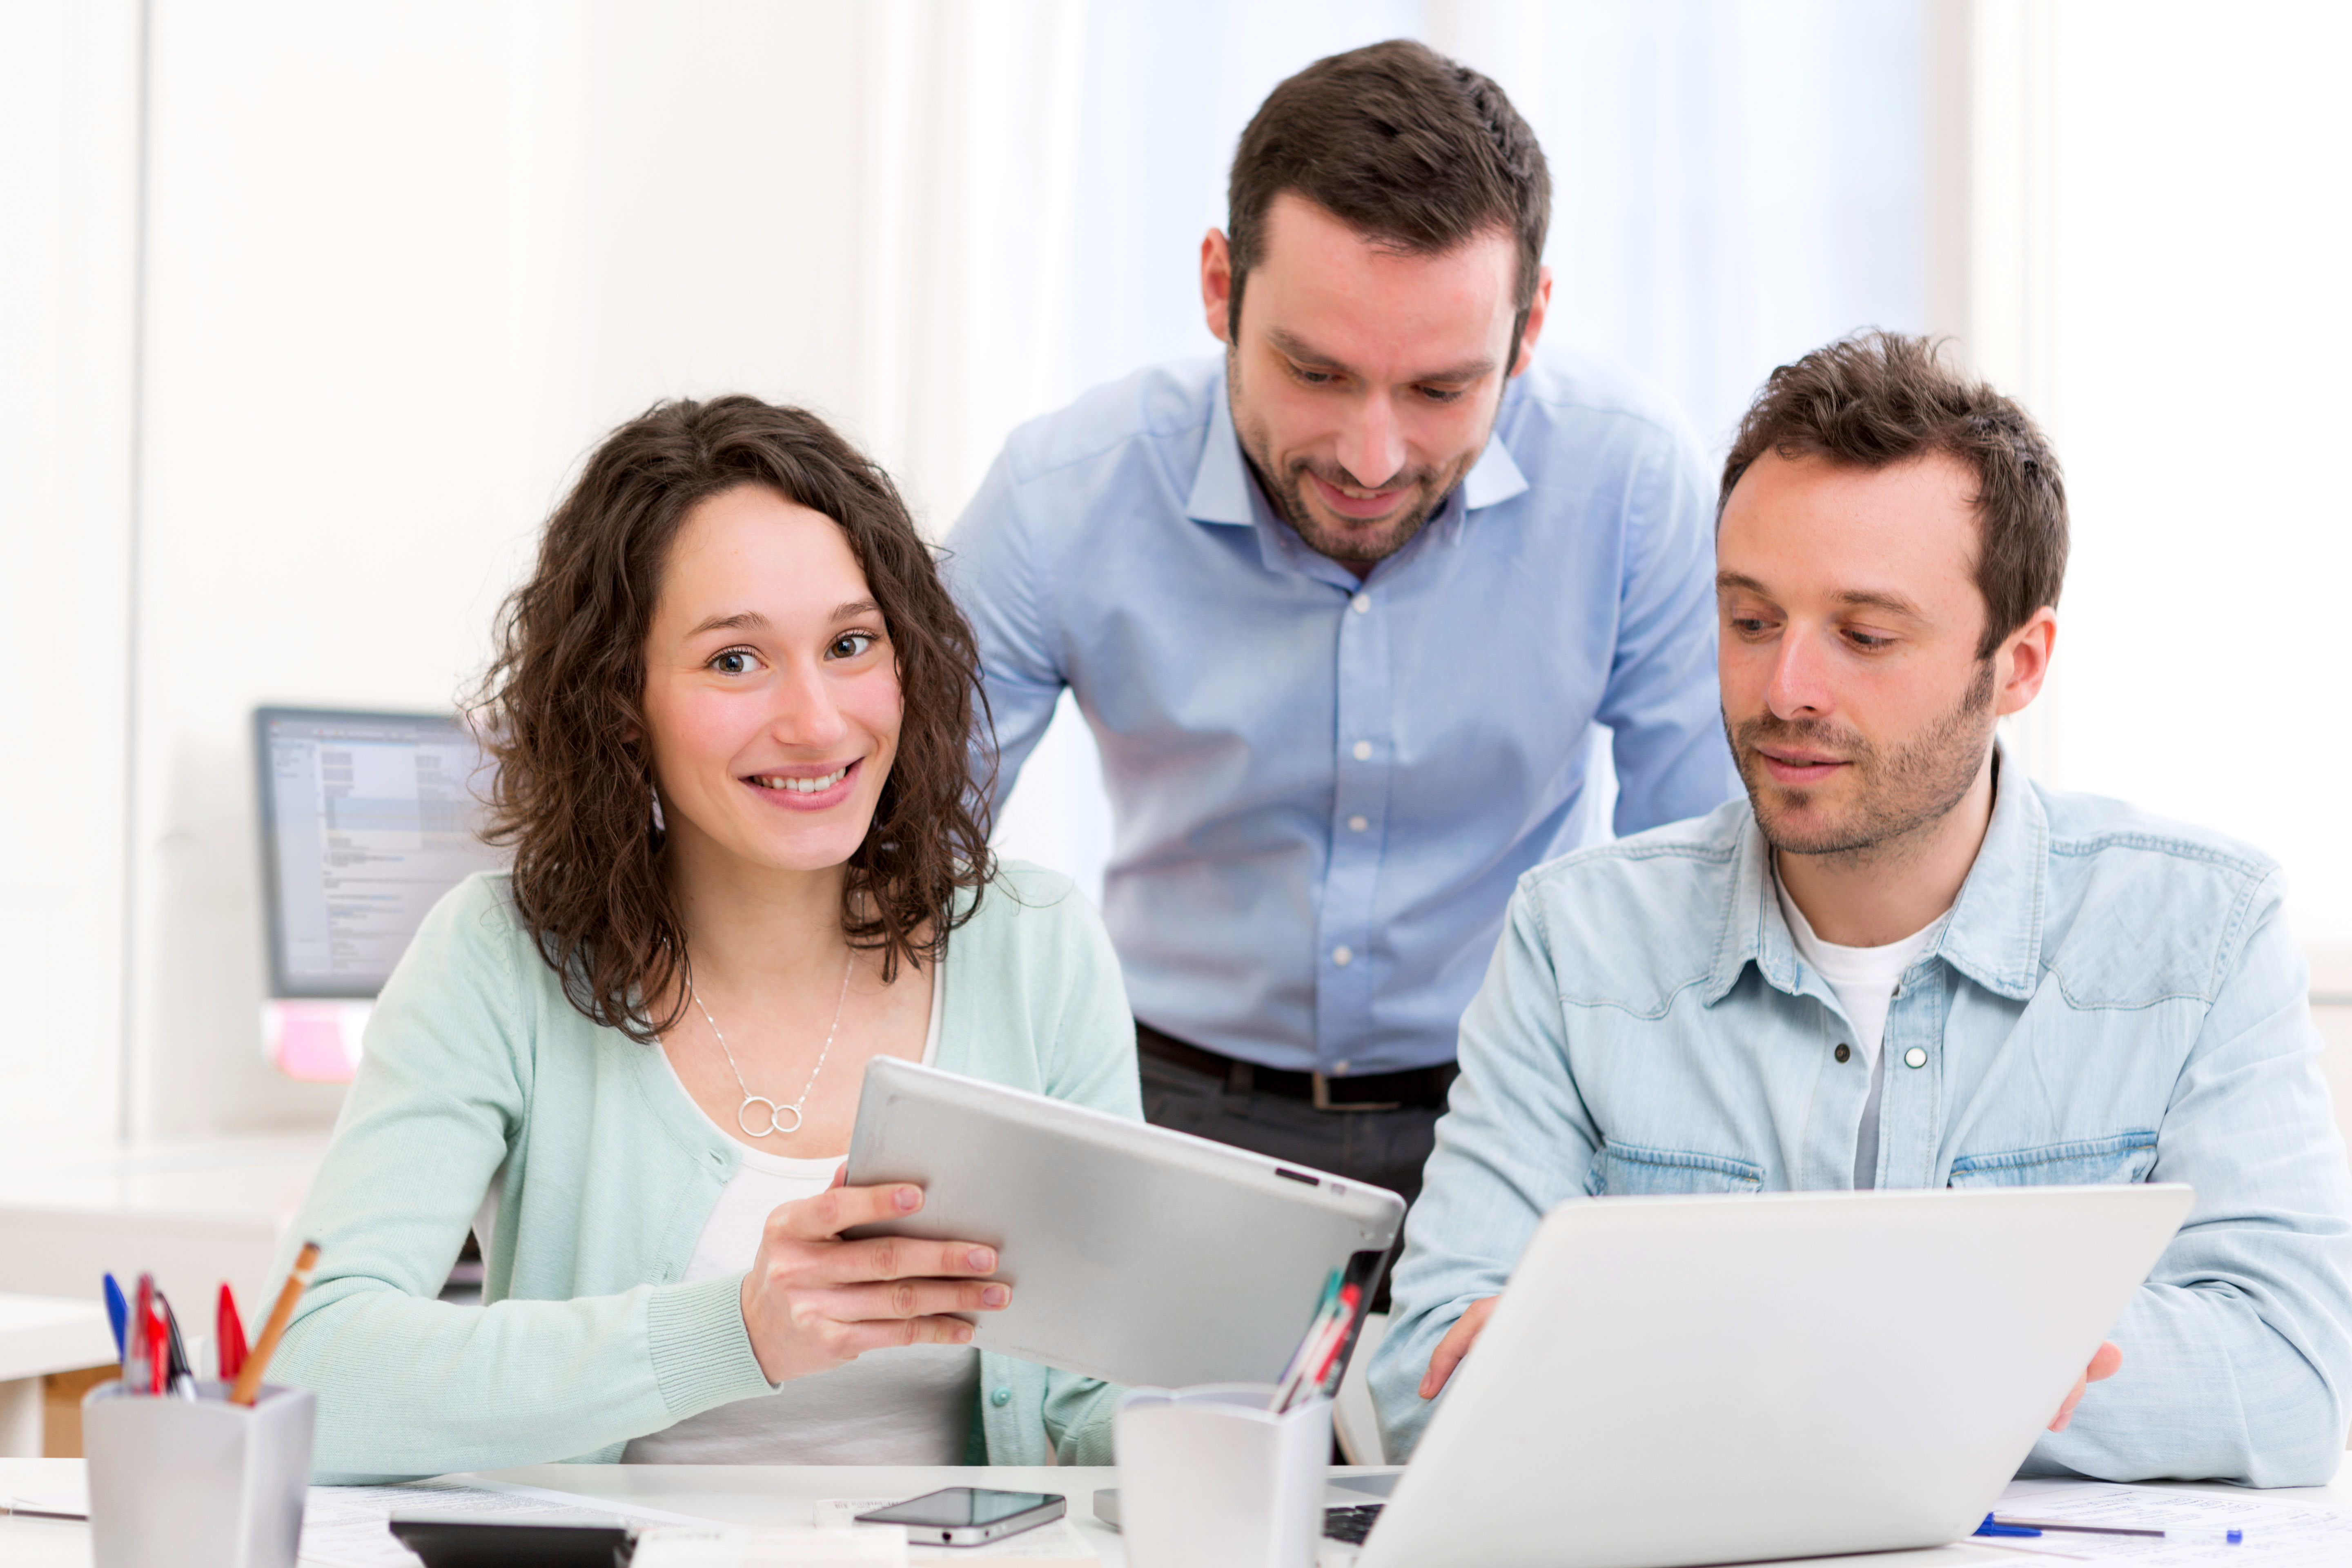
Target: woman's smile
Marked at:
801, 791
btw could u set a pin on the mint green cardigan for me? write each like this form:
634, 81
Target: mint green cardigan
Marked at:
477, 1066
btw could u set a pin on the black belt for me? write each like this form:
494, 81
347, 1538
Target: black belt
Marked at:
1359, 1091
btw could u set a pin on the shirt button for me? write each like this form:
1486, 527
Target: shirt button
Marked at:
1844, 1053
1361, 603
1343, 955
1915, 1058
1363, 751
1357, 824
999, 1398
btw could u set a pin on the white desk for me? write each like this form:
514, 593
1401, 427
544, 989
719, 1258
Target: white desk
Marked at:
193, 1212
746, 1494
39, 1335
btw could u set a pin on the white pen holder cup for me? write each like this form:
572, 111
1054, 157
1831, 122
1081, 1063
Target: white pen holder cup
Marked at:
202, 1483
1211, 1475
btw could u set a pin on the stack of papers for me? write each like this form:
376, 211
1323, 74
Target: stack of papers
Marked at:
344, 1527
2277, 1532
738, 1546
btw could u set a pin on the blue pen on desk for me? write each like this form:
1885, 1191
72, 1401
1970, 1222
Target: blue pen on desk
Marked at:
117, 1310
1998, 1524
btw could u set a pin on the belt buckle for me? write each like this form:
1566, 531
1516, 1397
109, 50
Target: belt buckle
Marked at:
1323, 1100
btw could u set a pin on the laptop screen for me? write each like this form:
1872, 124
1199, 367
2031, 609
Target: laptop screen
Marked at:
366, 820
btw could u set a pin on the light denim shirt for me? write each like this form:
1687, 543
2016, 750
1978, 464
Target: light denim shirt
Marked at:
2114, 998
1324, 790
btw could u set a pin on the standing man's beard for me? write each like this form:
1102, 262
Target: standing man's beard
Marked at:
1286, 489
1904, 791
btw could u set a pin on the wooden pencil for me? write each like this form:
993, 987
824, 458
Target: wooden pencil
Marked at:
248, 1376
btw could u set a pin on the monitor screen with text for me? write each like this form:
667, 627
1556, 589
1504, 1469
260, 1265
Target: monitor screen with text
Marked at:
367, 819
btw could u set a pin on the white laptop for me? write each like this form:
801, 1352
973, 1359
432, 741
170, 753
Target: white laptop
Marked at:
1702, 1380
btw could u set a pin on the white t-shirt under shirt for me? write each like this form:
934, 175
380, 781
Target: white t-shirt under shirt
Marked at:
910, 1405
1864, 979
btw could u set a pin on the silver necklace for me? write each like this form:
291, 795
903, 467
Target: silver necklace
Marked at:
776, 1129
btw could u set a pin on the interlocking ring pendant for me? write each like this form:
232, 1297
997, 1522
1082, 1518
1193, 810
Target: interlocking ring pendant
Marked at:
775, 1128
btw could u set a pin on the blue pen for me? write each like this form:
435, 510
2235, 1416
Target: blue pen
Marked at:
117, 1310
1995, 1525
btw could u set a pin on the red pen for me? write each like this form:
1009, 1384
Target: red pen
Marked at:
1349, 1297
146, 1362
228, 1333
158, 1344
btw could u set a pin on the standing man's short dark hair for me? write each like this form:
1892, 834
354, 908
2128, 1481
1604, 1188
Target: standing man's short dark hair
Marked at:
1401, 144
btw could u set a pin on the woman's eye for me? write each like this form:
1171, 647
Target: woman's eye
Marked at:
849, 644
734, 661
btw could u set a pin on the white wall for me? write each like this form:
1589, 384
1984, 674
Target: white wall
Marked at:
69, 248
2164, 276
403, 268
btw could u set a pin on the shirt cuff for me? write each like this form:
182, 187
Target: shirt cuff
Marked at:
701, 1351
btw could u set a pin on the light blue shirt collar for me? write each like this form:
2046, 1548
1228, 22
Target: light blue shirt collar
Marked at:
1994, 936
1224, 493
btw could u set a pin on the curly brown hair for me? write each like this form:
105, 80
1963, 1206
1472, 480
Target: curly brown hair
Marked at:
562, 708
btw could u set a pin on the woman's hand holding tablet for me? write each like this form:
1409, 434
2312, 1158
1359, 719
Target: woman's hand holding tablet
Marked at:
813, 1302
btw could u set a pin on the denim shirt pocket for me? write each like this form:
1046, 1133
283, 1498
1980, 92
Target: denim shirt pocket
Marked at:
1624, 1170
2089, 1162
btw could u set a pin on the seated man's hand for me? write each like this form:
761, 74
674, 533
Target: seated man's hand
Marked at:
1457, 1345
812, 1300
2104, 1363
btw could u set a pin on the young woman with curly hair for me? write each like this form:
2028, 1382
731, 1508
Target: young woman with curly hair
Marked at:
734, 710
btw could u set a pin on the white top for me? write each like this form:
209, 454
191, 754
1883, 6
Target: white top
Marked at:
1864, 979
910, 1405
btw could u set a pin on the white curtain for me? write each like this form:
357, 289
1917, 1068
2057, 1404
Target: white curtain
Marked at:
1735, 182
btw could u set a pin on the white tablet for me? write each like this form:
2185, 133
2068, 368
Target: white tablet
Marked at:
1137, 1255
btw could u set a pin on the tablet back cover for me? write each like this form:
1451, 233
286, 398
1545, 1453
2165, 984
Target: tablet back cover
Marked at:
1137, 1254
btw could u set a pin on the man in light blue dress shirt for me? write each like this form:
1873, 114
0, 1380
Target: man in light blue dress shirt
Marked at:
1903, 963
1342, 610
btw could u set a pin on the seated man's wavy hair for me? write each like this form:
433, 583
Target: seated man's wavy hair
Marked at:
562, 709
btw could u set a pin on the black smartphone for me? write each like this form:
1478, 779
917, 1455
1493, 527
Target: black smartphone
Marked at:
968, 1516
478, 1544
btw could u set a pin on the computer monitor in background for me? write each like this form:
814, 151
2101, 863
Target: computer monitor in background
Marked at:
366, 820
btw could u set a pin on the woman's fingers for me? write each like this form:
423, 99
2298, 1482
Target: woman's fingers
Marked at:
902, 1298
898, 1258
840, 1207
890, 1334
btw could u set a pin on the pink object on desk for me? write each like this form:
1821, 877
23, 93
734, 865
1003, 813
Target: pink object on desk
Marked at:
317, 1042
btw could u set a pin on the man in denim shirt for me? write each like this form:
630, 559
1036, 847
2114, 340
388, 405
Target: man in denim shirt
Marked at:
1900, 965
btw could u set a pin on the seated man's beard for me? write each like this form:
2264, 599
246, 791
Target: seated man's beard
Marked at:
1904, 789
